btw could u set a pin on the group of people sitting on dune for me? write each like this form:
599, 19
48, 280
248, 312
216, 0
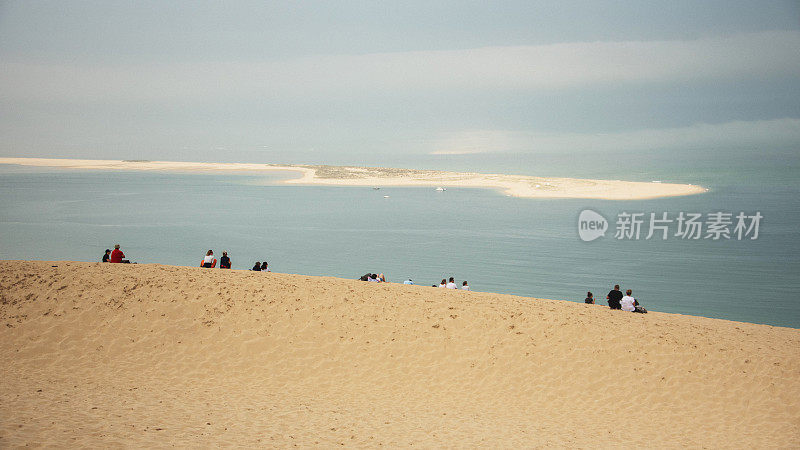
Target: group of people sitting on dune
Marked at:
615, 298
225, 262
261, 267
379, 278
451, 284
209, 262
618, 301
115, 256
373, 277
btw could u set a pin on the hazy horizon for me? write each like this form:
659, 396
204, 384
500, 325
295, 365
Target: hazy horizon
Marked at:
367, 82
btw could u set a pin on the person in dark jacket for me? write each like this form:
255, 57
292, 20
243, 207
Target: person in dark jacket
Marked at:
614, 296
224, 262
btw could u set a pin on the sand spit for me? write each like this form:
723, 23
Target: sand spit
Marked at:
513, 185
102, 355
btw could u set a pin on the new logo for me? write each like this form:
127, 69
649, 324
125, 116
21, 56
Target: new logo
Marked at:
591, 225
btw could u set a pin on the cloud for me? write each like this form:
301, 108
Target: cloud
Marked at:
541, 67
700, 136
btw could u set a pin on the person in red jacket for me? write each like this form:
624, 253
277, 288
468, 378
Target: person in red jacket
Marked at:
117, 255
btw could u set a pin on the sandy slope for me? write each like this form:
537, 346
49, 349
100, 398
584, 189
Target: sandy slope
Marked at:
147, 355
513, 185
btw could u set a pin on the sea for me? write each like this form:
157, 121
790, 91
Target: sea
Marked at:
526, 247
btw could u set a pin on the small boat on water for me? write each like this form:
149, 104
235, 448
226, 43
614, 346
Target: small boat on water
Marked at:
441, 189
376, 188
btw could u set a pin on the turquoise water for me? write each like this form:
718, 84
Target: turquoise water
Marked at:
499, 244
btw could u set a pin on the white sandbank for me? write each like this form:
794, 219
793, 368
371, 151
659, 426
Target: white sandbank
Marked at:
513, 185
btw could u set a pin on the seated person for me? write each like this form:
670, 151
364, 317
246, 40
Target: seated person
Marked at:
451, 284
224, 262
589, 299
614, 296
408, 281
443, 284
257, 267
265, 267
465, 286
628, 302
209, 261
117, 255
107, 256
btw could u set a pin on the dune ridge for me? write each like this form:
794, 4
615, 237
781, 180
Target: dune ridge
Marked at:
149, 355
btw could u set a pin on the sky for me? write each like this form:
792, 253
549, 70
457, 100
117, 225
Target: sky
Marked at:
361, 82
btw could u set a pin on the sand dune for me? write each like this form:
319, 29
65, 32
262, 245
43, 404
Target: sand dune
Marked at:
513, 185
148, 355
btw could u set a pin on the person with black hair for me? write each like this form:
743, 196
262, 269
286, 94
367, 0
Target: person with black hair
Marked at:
614, 296
224, 262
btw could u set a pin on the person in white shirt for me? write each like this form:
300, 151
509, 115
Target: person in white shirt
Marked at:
628, 302
408, 281
465, 286
208, 260
451, 284
443, 283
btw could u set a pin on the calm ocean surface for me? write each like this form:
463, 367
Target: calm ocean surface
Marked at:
497, 243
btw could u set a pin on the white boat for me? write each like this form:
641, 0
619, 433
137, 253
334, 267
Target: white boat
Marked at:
385, 196
440, 189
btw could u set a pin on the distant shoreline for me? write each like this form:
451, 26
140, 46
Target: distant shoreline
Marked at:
513, 185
